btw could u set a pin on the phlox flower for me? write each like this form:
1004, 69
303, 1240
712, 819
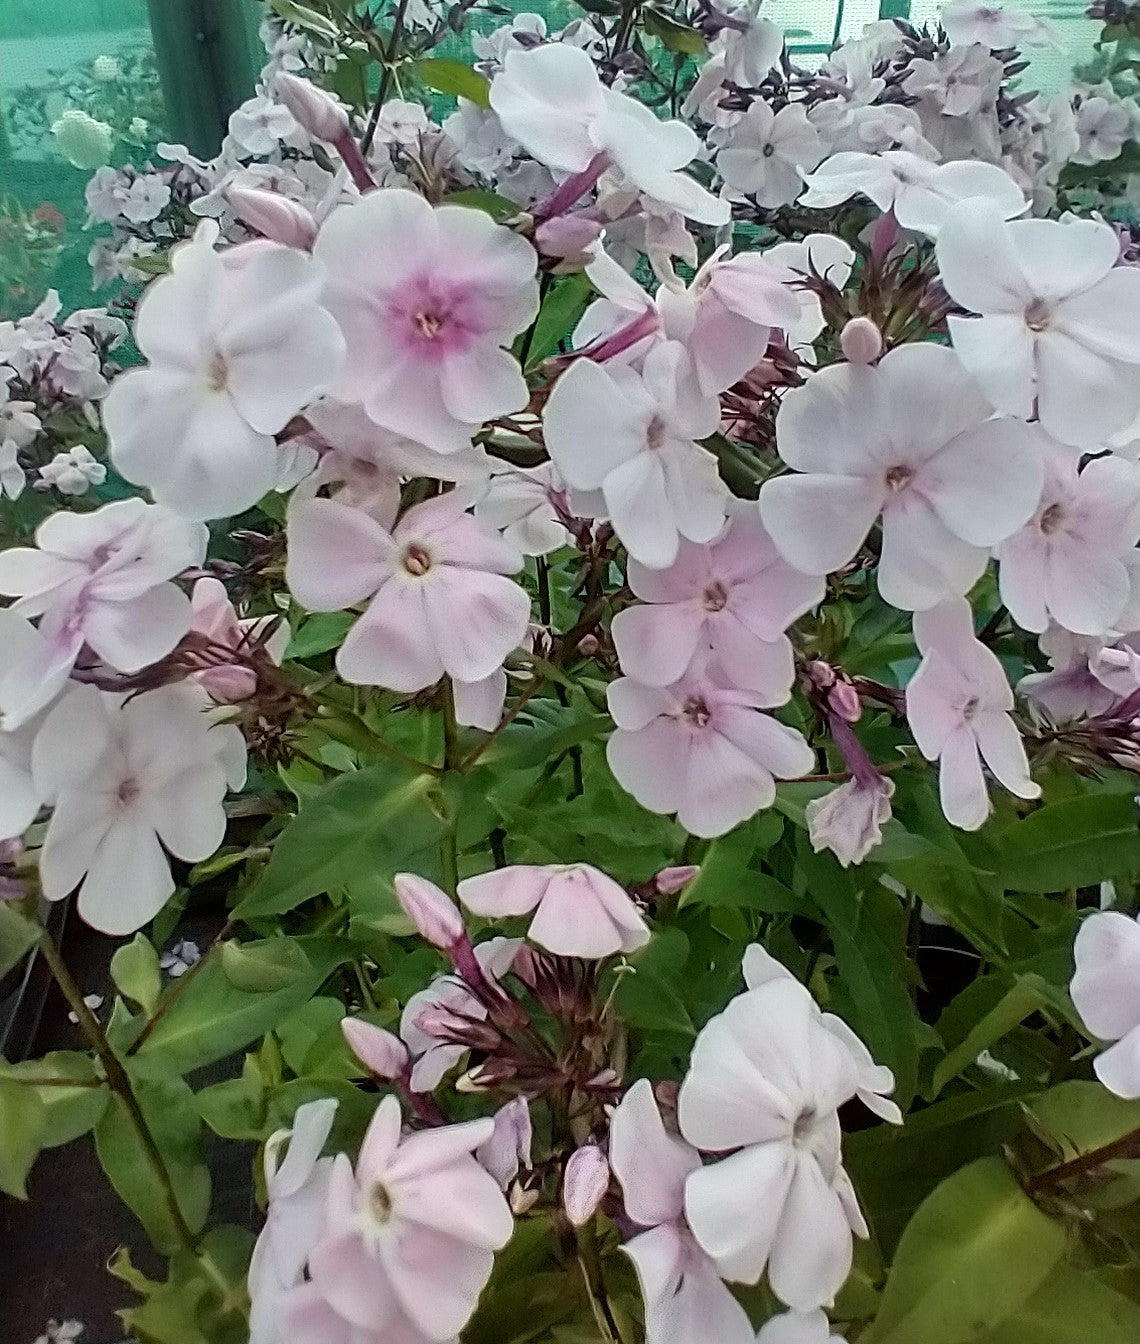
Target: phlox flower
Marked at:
849, 819
410, 1235
297, 1189
731, 598
552, 102
751, 46
769, 152
1106, 992
19, 798
131, 779
685, 1300
520, 502
633, 437
215, 620
701, 750
236, 345
427, 298
579, 911
911, 439
798, 1327
1057, 331
1072, 688
919, 192
100, 579
958, 706
824, 255
765, 1081
438, 599
1068, 562
995, 26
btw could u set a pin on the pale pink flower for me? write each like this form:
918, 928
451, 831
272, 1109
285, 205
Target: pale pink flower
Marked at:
1058, 326
958, 706
318, 113
769, 152
685, 1300
307, 1318
1075, 685
765, 1081
551, 100
432, 1058
731, 599
995, 26
910, 439
1067, 562
100, 579
579, 911
273, 215
438, 599
297, 1190
919, 193
633, 437
237, 345
131, 779
798, 1327
427, 298
1106, 992
701, 750
215, 619
411, 1235
849, 819
585, 1181
20, 647
523, 504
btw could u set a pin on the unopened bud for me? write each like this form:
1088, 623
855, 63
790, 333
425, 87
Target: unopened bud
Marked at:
584, 1183
432, 911
568, 237
589, 645
669, 881
314, 110
273, 216
522, 1200
227, 684
378, 1050
510, 1142
843, 699
861, 340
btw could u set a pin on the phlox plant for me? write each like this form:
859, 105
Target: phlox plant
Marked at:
616, 561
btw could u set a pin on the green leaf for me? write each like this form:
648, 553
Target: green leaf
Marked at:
498, 207
672, 35
725, 878
318, 634
369, 821
1028, 994
1075, 843
136, 973
260, 968
23, 1125
213, 1018
559, 315
237, 1107
17, 937
69, 1111
647, 996
306, 18
167, 1105
529, 747
972, 1254
454, 78
1071, 1308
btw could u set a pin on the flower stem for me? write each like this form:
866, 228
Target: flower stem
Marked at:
449, 845
1127, 1146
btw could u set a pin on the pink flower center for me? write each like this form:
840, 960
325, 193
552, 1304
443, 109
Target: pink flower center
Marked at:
696, 711
432, 316
416, 560
715, 597
380, 1203
1052, 519
898, 478
429, 325
1037, 315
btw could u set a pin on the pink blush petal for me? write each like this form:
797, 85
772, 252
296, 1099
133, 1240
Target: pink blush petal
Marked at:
475, 619
656, 644
337, 556
390, 645
722, 786
352, 1282
481, 383
651, 764
436, 1278
961, 783
515, 890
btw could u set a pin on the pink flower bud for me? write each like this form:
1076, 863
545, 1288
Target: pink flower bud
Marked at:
509, 1144
861, 340
227, 684
567, 236
273, 216
432, 911
669, 881
314, 110
378, 1050
589, 645
843, 699
584, 1183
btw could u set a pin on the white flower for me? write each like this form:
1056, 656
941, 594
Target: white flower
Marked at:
72, 473
519, 502
553, 103
634, 438
478, 135
1058, 331
798, 1327
1106, 992
1103, 126
260, 126
751, 47
961, 81
179, 958
106, 69
237, 346
12, 476
994, 26
849, 820
131, 779
766, 152
764, 1085
83, 141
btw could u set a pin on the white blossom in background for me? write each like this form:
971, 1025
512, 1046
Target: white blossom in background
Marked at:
768, 152
71, 473
1057, 326
522, 503
131, 780
996, 26
1104, 124
83, 140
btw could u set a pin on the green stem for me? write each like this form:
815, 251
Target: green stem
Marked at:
1127, 1146
386, 74
590, 1263
449, 844
354, 732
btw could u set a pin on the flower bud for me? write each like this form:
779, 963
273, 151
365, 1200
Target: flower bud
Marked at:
861, 340
510, 1142
568, 237
843, 699
669, 881
314, 110
522, 1201
432, 911
378, 1050
584, 1184
273, 216
227, 684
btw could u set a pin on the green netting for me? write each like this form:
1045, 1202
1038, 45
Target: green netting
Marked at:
148, 70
